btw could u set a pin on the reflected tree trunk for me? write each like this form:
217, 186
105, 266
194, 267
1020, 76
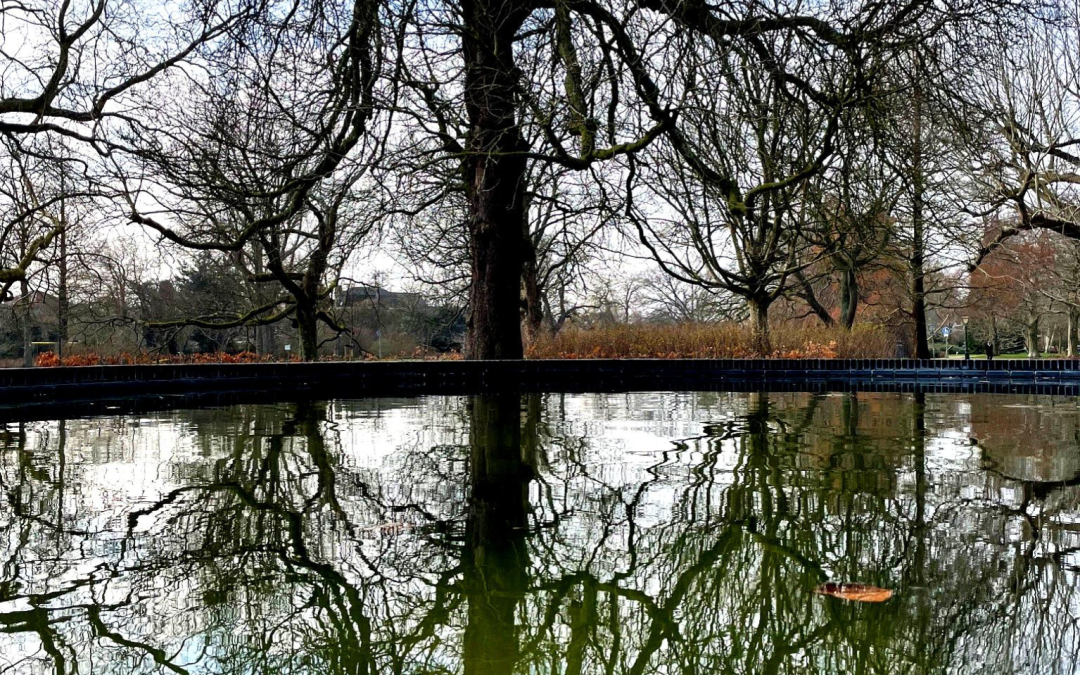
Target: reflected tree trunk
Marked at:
61, 467
915, 576
750, 499
919, 461
849, 414
495, 557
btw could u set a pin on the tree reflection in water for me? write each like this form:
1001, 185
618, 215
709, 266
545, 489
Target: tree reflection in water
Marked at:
634, 533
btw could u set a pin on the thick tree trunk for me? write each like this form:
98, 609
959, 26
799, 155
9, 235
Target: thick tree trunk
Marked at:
759, 325
1033, 338
307, 326
495, 178
849, 298
918, 297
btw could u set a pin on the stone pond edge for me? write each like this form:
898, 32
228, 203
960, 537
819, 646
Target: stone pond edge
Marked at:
361, 379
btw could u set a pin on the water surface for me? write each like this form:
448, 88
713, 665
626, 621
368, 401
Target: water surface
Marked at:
614, 533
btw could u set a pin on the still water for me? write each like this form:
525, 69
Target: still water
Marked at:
553, 533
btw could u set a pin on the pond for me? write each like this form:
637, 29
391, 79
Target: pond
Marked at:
547, 533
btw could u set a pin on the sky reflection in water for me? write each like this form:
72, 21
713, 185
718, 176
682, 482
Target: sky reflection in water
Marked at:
615, 533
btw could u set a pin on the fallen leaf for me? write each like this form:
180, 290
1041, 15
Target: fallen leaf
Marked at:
855, 592
385, 530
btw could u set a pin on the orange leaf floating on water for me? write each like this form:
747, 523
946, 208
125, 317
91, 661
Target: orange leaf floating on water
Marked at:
855, 592
385, 530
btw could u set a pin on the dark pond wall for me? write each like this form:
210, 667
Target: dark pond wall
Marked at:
50, 385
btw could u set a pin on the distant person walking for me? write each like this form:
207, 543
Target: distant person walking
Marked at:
989, 350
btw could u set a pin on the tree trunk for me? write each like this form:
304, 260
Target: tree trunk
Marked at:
811, 299
994, 334
1033, 338
307, 326
27, 329
849, 298
918, 306
918, 236
260, 294
1070, 341
264, 340
533, 297
759, 325
62, 291
495, 178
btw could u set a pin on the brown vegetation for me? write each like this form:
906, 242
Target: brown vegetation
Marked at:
51, 359
713, 341
637, 341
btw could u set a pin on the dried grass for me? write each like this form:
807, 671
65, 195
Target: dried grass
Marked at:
712, 341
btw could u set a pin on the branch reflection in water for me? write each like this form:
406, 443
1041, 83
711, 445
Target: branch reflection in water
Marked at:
615, 533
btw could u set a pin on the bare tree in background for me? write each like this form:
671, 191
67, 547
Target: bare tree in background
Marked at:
45, 200
754, 140
539, 84
666, 299
1027, 176
267, 157
845, 215
797, 78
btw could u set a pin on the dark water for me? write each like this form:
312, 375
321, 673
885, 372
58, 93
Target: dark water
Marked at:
640, 533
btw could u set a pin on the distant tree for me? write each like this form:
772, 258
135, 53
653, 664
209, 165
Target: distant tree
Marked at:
1026, 172
846, 217
267, 158
1015, 285
662, 297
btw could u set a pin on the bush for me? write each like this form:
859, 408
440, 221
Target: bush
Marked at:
712, 341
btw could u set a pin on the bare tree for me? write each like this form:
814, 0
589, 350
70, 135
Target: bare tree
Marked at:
271, 166
664, 298
768, 94
732, 181
1027, 173
80, 63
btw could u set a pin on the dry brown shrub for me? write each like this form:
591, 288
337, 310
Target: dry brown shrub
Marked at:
712, 341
